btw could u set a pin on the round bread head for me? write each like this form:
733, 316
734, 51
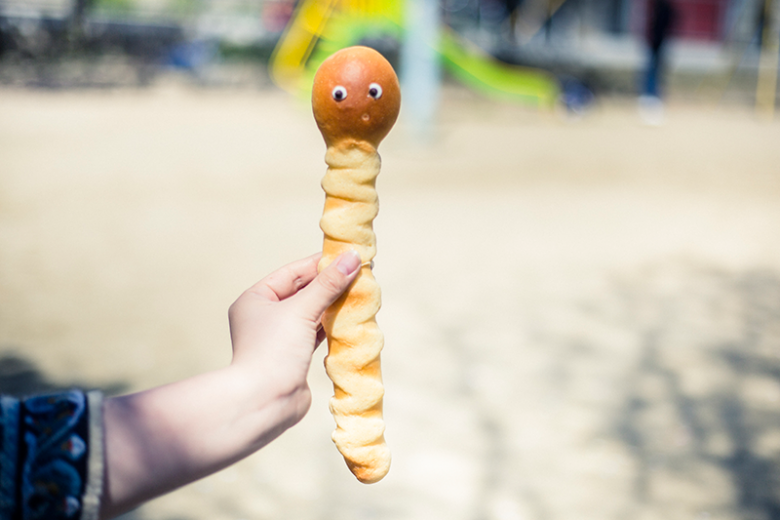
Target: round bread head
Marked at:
356, 95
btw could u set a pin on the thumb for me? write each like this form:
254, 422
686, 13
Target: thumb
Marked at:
328, 285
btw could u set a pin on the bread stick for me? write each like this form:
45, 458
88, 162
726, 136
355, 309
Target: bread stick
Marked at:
356, 100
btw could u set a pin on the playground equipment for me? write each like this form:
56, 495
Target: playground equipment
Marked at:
740, 42
767, 71
321, 27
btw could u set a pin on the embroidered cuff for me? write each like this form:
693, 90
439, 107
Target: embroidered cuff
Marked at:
51, 456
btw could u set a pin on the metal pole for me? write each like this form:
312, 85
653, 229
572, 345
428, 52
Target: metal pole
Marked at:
766, 91
421, 66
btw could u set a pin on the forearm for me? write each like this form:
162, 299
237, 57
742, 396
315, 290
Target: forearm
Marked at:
166, 437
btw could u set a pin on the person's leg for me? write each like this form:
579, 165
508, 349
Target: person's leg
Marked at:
653, 69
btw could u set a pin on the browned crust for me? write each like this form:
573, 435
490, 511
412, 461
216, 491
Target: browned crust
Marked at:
358, 116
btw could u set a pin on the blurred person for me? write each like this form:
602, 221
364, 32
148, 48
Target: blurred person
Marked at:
75, 455
661, 15
513, 11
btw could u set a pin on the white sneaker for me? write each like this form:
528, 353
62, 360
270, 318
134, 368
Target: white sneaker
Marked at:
651, 110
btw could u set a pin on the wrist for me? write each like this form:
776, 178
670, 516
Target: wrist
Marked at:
266, 402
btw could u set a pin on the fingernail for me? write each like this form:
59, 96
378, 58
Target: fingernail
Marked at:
348, 262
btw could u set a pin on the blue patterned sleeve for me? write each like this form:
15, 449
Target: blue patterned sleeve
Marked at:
51, 456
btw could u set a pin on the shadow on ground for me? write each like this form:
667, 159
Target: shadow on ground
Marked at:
21, 377
701, 415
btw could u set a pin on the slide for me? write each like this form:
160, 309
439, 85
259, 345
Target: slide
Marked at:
483, 73
321, 27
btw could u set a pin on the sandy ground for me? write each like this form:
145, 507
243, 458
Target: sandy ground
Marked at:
582, 315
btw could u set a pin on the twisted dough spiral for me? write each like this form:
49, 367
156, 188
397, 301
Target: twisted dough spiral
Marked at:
356, 100
354, 339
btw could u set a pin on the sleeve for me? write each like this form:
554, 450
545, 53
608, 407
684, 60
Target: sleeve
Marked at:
51, 456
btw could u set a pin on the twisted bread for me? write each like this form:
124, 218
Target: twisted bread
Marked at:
356, 100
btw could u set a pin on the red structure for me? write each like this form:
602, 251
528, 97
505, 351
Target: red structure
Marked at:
694, 20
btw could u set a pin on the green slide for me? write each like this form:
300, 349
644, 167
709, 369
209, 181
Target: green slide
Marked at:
483, 73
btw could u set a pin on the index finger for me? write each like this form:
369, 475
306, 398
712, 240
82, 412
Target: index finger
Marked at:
288, 280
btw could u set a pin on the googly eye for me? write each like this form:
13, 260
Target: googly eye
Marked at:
339, 93
375, 91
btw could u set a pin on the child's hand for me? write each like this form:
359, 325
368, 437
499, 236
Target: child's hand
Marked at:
275, 325
168, 436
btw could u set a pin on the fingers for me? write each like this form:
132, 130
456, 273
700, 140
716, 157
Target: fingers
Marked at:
288, 280
328, 285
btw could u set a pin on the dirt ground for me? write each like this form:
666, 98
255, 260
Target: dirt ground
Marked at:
582, 315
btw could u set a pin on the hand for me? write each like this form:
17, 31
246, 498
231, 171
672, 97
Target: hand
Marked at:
275, 325
166, 437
